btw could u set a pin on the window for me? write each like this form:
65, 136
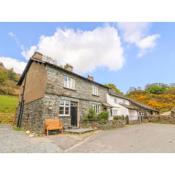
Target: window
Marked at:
95, 90
115, 100
114, 112
69, 82
64, 108
96, 108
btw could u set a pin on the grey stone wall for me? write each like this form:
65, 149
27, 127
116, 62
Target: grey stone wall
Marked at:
48, 107
32, 118
51, 109
83, 88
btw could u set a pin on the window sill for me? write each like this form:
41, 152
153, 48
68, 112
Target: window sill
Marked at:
95, 95
64, 116
69, 89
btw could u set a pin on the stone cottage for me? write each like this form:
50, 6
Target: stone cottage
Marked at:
51, 91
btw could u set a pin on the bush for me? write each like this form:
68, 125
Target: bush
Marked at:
156, 89
90, 116
119, 117
103, 117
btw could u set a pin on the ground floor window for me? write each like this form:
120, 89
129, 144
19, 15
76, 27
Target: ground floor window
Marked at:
96, 108
141, 114
114, 112
64, 108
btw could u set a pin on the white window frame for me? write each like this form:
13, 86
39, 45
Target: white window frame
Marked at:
114, 112
96, 108
94, 90
65, 104
115, 100
69, 82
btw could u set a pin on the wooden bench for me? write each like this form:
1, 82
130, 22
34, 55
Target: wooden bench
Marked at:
53, 124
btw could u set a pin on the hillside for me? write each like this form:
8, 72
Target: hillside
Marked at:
8, 80
158, 97
8, 94
8, 105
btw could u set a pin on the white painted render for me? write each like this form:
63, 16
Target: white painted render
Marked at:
119, 110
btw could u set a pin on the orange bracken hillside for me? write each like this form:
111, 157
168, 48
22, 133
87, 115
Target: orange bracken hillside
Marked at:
162, 102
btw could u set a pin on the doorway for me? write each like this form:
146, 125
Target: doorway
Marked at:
74, 108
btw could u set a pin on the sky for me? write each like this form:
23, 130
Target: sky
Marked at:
126, 54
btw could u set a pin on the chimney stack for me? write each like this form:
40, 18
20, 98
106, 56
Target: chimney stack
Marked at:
68, 67
90, 77
37, 56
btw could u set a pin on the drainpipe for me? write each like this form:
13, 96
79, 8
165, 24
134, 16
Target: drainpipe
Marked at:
21, 109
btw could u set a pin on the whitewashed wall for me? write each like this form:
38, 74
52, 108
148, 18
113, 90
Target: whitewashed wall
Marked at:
119, 110
133, 115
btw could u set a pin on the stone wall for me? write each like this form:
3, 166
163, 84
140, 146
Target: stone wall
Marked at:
168, 119
83, 88
51, 108
32, 118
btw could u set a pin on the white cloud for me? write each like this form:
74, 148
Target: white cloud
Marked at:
85, 50
136, 33
9, 63
13, 35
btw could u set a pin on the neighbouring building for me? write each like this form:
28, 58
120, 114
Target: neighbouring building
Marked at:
123, 106
51, 91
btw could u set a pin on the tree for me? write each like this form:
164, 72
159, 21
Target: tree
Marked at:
156, 89
12, 75
3, 76
113, 87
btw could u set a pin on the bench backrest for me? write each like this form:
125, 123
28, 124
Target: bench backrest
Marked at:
53, 123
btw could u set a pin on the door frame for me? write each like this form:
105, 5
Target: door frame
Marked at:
77, 120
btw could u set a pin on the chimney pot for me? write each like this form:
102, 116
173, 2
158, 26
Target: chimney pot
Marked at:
37, 56
68, 67
90, 77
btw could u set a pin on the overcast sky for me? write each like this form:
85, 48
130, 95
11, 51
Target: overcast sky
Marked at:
126, 54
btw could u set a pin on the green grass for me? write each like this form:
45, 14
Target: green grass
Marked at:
8, 104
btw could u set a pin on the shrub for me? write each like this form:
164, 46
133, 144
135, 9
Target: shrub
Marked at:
103, 117
119, 117
90, 116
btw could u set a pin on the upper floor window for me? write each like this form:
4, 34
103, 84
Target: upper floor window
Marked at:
95, 90
69, 82
115, 100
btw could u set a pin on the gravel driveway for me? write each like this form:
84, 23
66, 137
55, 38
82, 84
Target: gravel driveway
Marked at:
144, 138
18, 142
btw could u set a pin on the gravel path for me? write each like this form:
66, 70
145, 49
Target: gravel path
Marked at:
18, 142
144, 138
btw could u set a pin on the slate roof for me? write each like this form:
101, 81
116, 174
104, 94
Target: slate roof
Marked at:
131, 107
56, 67
132, 101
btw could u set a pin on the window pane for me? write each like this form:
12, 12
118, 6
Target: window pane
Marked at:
67, 103
73, 84
65, 81
61, 102
67, 110
61, 110
94, 90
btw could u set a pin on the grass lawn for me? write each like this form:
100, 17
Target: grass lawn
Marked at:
8, 105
